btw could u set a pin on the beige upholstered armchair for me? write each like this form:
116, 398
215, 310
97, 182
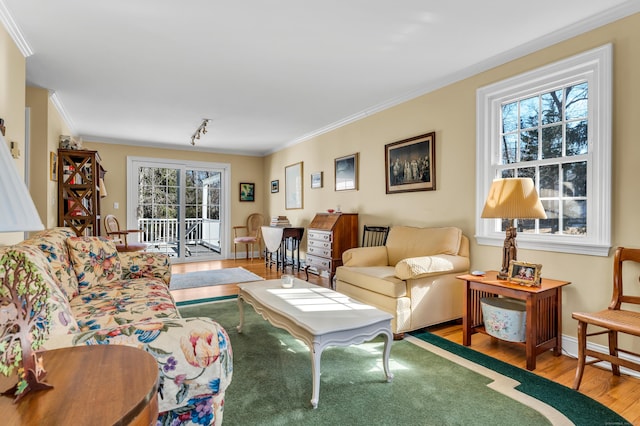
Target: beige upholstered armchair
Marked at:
413, 276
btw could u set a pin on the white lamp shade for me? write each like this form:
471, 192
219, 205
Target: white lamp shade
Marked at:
17, 211
513, 198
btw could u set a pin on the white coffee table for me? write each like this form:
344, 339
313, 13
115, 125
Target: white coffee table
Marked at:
318, 316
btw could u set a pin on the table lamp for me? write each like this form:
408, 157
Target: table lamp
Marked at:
512, 198
24, 313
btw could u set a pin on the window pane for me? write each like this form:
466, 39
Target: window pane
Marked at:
549, 180
529, 145
529, 172
552, 107
552, 142
551, 224
577, 102
574, 176
509, 146
529, 113
508, 173
509, 117
577, 138
574, 217
527, 226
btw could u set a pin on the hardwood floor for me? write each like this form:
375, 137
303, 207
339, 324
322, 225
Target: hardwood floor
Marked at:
618, 393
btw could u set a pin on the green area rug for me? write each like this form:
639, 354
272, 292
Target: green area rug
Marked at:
435, 383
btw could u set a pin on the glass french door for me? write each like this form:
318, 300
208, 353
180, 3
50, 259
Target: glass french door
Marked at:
180, 206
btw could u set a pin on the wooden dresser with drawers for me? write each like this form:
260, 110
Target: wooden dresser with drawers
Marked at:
328, 236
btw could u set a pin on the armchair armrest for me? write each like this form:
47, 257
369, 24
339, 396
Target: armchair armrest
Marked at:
366, 256
417, 267
140, 264
194, 355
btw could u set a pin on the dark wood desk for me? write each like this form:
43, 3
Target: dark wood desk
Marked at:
544, 311
92, 385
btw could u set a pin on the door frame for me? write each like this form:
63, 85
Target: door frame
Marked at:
225, 210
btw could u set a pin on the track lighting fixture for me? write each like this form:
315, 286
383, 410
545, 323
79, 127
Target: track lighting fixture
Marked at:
201, 130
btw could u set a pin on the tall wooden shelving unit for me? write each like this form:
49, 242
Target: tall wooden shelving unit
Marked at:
79, 173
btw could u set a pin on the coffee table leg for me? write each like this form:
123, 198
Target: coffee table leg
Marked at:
315, 369
241, 311
388, 339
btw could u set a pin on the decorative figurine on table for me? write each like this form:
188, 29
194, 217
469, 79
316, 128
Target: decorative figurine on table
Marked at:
24, 322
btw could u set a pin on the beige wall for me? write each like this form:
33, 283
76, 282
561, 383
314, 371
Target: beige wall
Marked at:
12, 104
451, 113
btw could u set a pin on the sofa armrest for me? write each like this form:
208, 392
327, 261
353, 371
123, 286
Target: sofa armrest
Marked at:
418, 267
194, 354
141, 264
365, 256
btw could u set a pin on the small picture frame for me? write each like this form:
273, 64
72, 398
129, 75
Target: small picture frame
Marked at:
53, 166
316, 180
346, 172
247, 191
275, 186
525, 273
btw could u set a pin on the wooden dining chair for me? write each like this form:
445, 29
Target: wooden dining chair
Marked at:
374, 235
112, 227
613, 320
249, 235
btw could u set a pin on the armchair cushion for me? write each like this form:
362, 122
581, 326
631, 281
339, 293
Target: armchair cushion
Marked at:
95, 260
406, 241
418, 267
379, 279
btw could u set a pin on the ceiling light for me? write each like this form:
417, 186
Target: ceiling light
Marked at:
201, 130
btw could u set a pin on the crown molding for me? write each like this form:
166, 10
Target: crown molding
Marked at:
57, 103
14, 31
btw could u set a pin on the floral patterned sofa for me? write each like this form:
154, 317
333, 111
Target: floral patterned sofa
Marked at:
100, 296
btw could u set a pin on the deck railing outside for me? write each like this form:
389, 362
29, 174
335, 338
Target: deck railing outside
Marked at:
198, 231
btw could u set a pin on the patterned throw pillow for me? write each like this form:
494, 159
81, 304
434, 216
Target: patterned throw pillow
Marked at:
95, 260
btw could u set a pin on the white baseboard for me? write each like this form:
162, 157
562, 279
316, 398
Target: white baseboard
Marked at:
570, 348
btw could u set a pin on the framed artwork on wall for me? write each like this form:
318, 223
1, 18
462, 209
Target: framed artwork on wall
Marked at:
346, 172
53, 166
247, 191
316, 180
410, 164
275, 186
293, 186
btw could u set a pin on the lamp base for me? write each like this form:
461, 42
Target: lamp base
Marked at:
503, 275
509, 251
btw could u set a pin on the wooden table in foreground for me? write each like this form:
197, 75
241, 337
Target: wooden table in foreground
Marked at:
544, 311
318, 316
92, 385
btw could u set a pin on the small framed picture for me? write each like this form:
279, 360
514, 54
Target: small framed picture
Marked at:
316, 180
275, 186
53, 166
346, 172
247, 191
525, 273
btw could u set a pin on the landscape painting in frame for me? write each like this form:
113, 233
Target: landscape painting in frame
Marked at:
346, 172
411, 164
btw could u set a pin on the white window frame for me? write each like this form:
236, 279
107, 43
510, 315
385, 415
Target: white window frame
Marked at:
595, 66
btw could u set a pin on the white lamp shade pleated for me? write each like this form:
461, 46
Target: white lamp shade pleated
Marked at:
513, 198
17, 211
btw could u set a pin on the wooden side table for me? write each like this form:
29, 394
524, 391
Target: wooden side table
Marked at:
92, 385
544, 311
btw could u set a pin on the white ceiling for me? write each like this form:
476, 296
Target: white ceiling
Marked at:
268, 73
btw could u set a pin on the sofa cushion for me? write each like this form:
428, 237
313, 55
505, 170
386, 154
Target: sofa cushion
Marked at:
365, 256
52, 242
406, 241
379, 279
95, 260
123, 302
417, 267
35, 263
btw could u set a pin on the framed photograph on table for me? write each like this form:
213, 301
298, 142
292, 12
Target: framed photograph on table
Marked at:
346, 172
275, 186
410, 164
525, 273
316, 180
293, 186
247, 191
